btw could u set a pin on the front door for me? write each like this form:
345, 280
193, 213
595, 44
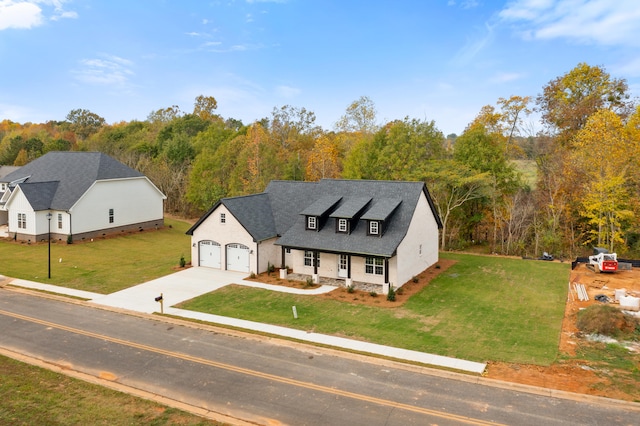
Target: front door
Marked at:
343, 266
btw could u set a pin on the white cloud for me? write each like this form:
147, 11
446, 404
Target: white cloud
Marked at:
631, 68
287, 92
505, 77
19, 14
601, 22
110, 70
26, 14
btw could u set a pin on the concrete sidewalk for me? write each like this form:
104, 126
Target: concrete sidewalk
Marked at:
193, 282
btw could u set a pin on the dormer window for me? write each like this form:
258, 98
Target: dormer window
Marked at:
343, 226
374, 227
312, 222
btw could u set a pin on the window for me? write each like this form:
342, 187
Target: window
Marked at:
374, 227
374, 265
311, 222
110, 215
342, 225
22, 220
287, 250
223, 218
308, 258
59, 220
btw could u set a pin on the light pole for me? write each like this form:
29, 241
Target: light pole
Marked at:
49, 215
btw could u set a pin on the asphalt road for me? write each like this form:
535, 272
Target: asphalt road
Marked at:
268, 381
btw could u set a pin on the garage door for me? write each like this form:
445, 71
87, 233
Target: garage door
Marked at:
209, 254
237, 258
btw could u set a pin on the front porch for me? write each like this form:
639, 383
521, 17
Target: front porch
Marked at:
338, 282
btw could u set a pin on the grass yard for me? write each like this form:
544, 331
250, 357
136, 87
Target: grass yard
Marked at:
482, 308
34, 396
103, 266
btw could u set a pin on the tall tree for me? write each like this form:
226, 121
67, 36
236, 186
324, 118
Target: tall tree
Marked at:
205, 107
84, 122
567, 102
359, 117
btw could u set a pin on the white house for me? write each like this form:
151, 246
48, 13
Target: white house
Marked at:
78, 195
359, 231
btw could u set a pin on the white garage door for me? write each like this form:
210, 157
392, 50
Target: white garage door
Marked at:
238, 258
209, 254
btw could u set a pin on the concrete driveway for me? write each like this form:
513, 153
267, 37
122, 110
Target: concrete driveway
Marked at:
185, 285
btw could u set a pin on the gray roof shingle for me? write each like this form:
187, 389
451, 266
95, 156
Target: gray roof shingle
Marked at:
278, 212
74, 172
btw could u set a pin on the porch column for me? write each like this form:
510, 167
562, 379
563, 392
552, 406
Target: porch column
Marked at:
315, 278
386, 270
348, 282
283, 269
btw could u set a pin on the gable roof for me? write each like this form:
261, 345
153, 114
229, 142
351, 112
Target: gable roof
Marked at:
74, 173
279, 212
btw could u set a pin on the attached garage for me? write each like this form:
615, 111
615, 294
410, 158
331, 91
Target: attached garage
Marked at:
237, 257
209, 254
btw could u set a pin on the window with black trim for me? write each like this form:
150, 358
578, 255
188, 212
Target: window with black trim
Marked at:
111, 217
223, 218
374, 227
22, 220
308, 258
59, 220
374, 265
312, 222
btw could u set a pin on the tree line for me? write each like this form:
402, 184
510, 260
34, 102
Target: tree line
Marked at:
500, 185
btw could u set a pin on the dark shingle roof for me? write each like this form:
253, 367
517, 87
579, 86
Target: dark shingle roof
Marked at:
277, 213
321, 206
254, 213
351, 207
75, 172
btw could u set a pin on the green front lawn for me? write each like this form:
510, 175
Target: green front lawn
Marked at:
103, 265
483, 308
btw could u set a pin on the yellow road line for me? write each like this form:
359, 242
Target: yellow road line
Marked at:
266, 376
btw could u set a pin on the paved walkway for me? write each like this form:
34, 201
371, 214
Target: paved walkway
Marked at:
193, 282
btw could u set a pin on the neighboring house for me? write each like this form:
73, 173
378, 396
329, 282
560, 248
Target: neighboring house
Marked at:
374, 232
4, 170
78, 195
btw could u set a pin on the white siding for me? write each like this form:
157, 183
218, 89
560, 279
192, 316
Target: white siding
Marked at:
226, 233
419, 249
132, 200
19, 204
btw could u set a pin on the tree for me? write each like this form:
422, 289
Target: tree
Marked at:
323, 160
451, 185
205, 107
164, 115
512, 111
84, 122
359, 117
602, 159
567, 102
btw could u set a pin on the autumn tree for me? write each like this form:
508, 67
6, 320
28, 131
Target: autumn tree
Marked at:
323, 160
84, 122
453, 184
568, 101
205, 107
360, 117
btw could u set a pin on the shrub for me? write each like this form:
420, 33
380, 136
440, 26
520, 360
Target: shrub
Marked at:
373, 294
400, 291
415, 279
253, 275
606, 320
309, 281
182, 261
270, 268
69, 239
350, 288
391, 296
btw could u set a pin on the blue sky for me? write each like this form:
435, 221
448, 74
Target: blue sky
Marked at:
438, 60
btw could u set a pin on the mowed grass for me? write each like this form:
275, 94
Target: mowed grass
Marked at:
103, 265
483, 309
31, 395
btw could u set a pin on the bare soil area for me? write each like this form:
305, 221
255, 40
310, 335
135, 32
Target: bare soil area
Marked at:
570, 373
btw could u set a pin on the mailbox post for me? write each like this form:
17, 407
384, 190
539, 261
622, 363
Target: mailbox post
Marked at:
161, 300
